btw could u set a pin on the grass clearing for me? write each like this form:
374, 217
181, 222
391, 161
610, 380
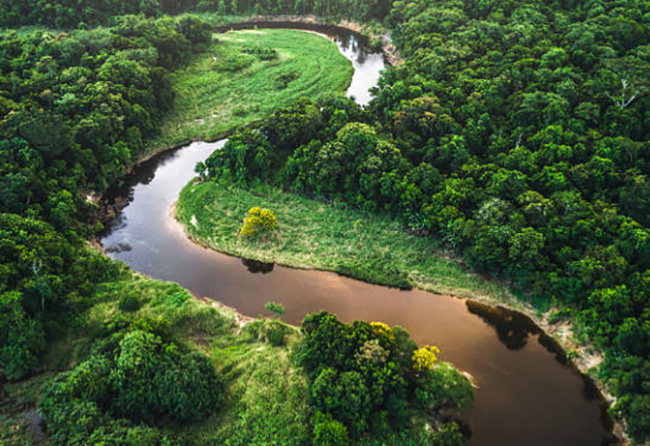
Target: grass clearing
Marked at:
232, 85
315, 235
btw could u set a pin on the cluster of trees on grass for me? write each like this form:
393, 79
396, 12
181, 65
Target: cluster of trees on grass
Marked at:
368, 377
515, 133
133, 379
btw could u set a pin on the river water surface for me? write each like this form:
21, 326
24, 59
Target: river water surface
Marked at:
526, 396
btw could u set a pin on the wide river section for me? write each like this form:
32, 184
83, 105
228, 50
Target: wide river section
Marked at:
527, 395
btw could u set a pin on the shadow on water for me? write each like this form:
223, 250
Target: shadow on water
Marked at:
514, 329
257, 267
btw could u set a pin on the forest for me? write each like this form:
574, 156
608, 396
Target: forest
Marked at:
515, 134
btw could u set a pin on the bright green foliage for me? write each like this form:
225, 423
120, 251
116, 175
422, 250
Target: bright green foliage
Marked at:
327, 236
275, 308
258, 222
442, 386
328, 431
224, 88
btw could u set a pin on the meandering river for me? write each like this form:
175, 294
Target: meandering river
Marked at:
526, 396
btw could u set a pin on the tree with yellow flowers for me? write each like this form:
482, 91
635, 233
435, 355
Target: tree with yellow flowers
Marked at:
258, 222
424, 358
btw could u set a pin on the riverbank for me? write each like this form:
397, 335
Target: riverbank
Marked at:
315, 235
369, 247
244, 77
382, 41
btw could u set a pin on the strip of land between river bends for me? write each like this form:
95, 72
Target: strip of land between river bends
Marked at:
388, 48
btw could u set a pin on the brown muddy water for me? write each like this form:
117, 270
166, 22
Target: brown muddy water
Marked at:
527, 395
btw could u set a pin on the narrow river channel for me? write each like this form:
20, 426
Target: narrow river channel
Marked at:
526, 395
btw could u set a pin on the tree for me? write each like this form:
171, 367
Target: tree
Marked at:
259, 222
275, 308
328, 431
444, 386
424, 358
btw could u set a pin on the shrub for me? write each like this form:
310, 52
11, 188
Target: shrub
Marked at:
275, 308
140, 378
129, 304
283, 81
275, 333
21, 338
424, 358
444, 386
258, 222
328, 431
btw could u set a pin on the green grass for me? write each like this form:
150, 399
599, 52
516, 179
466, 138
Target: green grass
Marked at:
267, 397
314, 235
224, 87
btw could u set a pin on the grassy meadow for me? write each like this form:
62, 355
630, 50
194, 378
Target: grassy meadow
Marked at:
247, 75
315, 235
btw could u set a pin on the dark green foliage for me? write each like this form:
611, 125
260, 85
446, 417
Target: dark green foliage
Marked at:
276, 333
49, 153
41, 275
283, 81
21, 338
135, 376
251, 156
77, 107
80, 13
262, 53
129, 303
244, 159
515, 132
380, 273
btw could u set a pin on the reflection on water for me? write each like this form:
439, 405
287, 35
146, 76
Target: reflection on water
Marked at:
255, 266
512, 328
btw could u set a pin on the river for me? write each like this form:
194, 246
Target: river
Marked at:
526, 396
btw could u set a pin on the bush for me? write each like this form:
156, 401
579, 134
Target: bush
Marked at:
129, 304
21, 338
444, 386
283, 81
328, 431
258, 222
275, 333
275, 308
